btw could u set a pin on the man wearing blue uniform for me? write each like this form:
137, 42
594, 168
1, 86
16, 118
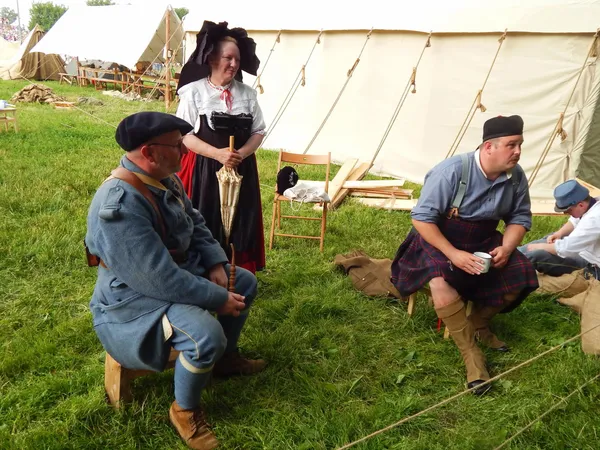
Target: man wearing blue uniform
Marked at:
576, 245
162, 275
461, 203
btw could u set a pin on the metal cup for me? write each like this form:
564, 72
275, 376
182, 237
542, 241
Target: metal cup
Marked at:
486, 259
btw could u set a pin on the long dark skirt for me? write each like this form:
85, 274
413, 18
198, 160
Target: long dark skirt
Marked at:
200, 181
417, 262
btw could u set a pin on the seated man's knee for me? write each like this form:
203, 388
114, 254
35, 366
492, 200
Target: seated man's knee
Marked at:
441, 292
245, 283
211, 342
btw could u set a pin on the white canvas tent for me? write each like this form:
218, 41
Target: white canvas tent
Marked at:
542, 69
122, 34
22, 62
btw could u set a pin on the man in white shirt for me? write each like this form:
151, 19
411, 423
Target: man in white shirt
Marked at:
576, 244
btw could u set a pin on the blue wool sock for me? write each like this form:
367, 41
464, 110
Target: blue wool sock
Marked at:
189, 382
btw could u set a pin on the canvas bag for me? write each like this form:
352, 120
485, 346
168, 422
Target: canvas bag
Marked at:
307, 192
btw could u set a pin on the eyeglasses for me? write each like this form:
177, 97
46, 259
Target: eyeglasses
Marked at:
178, 146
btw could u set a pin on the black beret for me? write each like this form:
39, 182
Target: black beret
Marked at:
139, 128
502, 126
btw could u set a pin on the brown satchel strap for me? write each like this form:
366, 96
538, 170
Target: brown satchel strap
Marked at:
129, 177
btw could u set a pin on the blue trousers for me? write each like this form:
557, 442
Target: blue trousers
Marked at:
201, 338
553, 265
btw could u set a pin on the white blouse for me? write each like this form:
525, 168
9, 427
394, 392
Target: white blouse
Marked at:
202, 98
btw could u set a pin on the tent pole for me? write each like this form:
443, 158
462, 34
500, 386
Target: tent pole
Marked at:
19, 23
168, 60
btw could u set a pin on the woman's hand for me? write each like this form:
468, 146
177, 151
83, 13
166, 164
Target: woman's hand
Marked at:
227, 158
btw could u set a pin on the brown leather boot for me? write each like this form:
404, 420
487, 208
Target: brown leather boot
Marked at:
463, 334
235, 364
192, 427
480, 318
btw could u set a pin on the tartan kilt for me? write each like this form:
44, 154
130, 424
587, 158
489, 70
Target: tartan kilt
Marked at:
417, 262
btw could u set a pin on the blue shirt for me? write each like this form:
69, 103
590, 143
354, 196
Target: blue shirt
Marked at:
142, 280
506, 198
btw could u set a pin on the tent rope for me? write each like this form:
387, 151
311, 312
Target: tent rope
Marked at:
563, 400
476, 103
348, 77
460, 394
558, 129
256, 83
411, 82
290, 95
131, 86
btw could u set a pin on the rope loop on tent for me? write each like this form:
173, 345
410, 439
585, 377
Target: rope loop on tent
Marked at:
476, 103
259, 87
351, 70
466, 391
400, 103
290, 95
560, 130
413, 80
256, 85
559, 124
479, 104
503, 35
348, 76
541, 416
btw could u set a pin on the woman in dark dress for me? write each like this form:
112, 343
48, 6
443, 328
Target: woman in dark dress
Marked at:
210, 84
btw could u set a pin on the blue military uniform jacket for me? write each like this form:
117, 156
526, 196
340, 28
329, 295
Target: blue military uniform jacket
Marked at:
141, 279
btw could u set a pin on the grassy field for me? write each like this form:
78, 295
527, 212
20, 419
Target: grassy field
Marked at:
341, 365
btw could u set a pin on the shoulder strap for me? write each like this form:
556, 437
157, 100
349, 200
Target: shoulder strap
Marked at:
129, 177
462, 183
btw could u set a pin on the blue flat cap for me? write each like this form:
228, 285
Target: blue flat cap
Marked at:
568, 194
502, 126
139, 128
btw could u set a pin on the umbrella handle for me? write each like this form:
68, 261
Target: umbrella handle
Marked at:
232, 270
231, 144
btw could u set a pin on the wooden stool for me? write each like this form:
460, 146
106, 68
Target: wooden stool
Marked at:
117, 379
9, 115
425, 290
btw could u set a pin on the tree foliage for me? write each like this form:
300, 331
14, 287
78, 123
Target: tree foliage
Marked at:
181, 12
8, 14
99, 2
45, 14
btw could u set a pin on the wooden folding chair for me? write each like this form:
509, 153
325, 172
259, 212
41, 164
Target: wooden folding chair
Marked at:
295, 158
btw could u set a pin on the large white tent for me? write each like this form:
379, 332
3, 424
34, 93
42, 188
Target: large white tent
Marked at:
544, 67
123, 34
21, 63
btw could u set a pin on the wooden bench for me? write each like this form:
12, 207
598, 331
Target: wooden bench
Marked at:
117, 379
67, 78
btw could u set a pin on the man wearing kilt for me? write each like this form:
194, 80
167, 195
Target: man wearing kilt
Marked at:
461, 204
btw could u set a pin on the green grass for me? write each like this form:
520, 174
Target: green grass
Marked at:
341, 365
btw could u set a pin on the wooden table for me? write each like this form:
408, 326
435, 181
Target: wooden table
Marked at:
9, 115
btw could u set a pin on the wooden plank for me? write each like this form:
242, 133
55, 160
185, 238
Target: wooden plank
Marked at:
543, 208
362, 194
376, 184
594, 191
389, 204
357, 174
340, 178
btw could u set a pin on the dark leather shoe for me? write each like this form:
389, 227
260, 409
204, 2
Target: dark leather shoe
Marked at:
480, 390
235, 364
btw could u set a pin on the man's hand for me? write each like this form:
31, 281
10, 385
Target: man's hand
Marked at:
227, 158
233, 305
500, 257
467, 261
217, 275
553, 237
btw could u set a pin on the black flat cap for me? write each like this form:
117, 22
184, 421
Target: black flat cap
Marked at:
139, 128
502, 126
